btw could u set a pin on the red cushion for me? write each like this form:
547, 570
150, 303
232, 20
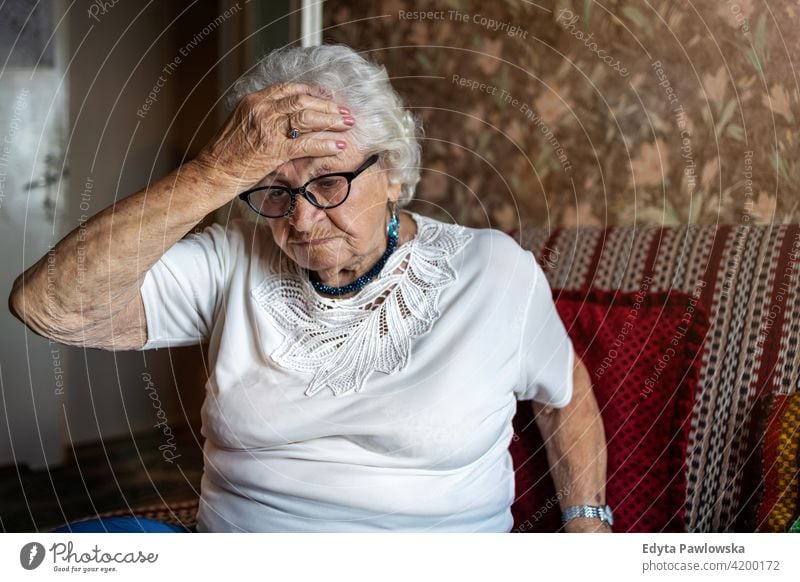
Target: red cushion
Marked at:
643, 352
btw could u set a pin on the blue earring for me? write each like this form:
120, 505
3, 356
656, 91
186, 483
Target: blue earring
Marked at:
394, 224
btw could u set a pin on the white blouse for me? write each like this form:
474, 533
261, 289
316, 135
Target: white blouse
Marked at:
387, 411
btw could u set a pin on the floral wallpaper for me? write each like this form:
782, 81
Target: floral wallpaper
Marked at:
593, 113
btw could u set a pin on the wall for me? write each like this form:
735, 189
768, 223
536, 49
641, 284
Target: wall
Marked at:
32, 136
145, 83
116, 55
123, 138
112, 153
582, 112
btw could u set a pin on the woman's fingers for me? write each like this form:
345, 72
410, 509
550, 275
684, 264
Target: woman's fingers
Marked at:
255, 138
283, 90
291, 97
308, 146
308, 120
300, 101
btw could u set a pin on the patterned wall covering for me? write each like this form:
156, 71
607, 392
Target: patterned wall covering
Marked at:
579, 112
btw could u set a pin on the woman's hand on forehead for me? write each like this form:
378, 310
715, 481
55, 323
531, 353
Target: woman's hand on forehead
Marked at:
256, 134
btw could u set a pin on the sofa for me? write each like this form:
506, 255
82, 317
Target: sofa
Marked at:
733, 434
703, 441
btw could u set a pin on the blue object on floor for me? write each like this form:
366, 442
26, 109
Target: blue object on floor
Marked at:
120, 525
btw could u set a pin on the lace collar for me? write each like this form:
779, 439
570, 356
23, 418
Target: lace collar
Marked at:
341, 341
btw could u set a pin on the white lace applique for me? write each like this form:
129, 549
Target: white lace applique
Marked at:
341, 341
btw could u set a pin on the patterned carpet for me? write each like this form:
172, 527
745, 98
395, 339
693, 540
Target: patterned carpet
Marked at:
101, 477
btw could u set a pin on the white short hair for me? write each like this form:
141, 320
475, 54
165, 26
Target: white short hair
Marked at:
382, 123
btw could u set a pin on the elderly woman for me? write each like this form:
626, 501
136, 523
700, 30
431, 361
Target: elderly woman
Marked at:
365, 361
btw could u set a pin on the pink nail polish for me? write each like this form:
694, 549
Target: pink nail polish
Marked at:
344, 110
349, 121
341, 144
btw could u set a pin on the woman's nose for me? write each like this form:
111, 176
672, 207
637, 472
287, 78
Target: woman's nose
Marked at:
305, 214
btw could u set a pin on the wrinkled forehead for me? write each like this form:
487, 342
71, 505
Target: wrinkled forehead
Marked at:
302, 167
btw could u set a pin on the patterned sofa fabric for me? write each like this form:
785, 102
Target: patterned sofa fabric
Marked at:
747, 278
643, 353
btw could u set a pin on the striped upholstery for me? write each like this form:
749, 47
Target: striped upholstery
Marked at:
748, 281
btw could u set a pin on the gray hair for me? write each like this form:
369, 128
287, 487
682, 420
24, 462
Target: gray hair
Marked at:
383, 125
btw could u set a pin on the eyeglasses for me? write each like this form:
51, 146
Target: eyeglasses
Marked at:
326, 191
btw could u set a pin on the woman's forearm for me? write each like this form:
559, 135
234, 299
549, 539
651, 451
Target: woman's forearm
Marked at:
97, 269
576, 449
91, 279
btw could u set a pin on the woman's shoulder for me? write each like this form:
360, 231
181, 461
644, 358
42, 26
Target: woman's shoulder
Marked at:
493, 239
234, 243
481, 242
492, 251
237, 235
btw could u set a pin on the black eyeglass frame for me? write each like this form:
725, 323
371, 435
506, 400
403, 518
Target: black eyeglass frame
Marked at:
293, 192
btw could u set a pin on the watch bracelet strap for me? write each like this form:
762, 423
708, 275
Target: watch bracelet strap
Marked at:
590, 511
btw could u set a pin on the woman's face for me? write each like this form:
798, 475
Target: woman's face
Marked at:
328, 241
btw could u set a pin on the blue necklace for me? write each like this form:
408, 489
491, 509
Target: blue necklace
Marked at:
360, 283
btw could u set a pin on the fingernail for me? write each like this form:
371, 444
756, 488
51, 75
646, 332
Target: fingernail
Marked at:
344, 110
341, 144
349, 121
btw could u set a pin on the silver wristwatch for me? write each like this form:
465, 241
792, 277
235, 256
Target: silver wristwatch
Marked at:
602, 513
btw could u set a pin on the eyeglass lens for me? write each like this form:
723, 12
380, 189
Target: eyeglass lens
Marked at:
325, 192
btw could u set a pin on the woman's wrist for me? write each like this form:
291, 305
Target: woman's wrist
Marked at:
586, 525
208, 189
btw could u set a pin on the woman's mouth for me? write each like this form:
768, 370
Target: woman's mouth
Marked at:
312, 242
